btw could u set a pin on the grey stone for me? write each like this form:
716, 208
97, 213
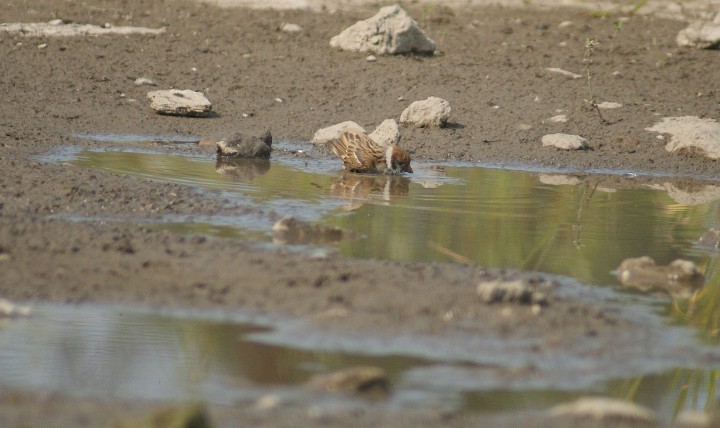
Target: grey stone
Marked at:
176, 102
239, 145
390, 31
430, 112
564, 141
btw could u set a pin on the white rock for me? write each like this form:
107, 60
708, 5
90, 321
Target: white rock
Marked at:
565, 141
563, 72
371, 58
700, 34
430, 112
604, 409
386, 133
325, 135
609, 105
60, 29
390, 31
179, 102
561, 118
691, 132
145, 81
290, 28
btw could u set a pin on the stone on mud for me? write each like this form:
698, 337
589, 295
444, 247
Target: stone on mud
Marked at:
604, 409
325, 135
240, 145
390, 31
355, 380
58, 28
691, 134
386, 133
176, 102
701, 34
564, 141
433, 111
527, 291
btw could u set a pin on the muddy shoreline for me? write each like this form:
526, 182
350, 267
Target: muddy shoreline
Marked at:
491, 68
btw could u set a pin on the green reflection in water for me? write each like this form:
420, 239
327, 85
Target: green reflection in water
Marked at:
511, 219
577, 226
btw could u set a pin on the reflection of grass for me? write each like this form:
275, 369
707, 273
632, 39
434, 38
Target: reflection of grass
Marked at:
678, 390
702, 310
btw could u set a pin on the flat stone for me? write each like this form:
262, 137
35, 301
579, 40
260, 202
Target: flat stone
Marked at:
325, 135
690, 134
57, 28
430, 112
562, 72
609, 105
560, 118
290, 28
386, 133
390, 31
604, 409
565, 141
176, 102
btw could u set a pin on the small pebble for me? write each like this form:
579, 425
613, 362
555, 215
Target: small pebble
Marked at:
371, 58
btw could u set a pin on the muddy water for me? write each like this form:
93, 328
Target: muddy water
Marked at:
570, 224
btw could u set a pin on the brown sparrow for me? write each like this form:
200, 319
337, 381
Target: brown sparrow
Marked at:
361, 154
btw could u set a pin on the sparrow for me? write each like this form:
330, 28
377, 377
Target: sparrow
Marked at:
359, 153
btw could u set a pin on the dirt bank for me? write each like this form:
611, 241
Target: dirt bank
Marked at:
491, 68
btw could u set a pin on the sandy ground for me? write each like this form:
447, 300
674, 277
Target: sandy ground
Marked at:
491, 68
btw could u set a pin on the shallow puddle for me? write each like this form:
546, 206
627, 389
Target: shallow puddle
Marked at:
119, 352
574, 225
571, 224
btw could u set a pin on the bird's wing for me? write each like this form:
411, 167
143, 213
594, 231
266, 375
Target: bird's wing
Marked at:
355, 149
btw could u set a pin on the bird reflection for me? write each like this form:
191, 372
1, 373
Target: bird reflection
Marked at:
241, 169
362, 188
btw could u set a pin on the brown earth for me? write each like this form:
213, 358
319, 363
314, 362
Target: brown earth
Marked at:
491, 68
